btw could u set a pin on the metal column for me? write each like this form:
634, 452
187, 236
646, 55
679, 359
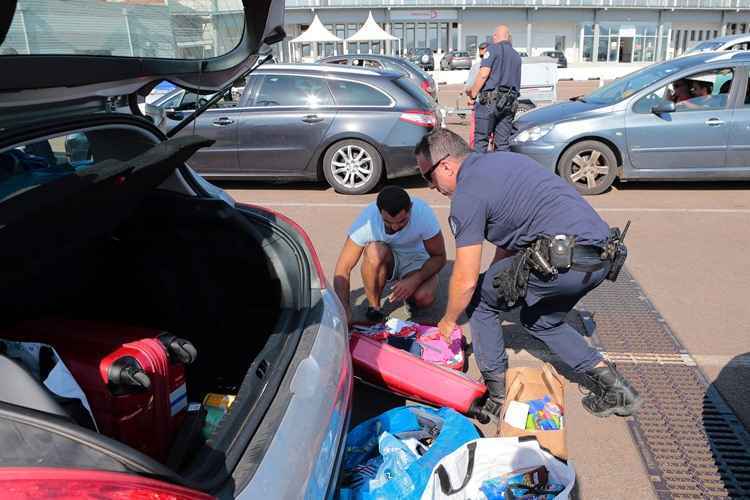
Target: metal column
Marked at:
528, 32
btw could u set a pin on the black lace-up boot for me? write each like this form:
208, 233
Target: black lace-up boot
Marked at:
495, 383
612, 394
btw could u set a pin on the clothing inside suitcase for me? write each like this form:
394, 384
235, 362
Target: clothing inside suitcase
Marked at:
190, 266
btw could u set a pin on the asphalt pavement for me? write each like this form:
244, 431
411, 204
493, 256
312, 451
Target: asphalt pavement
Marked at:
688, 250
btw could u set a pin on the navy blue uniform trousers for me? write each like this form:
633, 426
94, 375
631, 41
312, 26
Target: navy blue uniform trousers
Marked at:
488, 120
542, 315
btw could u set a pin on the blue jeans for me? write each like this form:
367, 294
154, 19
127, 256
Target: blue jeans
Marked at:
542, 315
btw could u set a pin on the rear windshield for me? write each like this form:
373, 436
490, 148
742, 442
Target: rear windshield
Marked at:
196, 29
417, 93
462, 54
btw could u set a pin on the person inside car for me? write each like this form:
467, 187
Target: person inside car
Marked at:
681, 91
700, 96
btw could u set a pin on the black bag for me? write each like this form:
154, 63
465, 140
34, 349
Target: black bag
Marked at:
511, 284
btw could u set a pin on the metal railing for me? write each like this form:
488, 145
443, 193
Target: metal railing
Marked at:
650, 4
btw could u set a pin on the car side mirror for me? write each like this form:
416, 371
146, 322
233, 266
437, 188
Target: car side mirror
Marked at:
663, 107
173, 114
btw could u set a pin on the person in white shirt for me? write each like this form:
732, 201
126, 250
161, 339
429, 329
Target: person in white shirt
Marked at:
403, 247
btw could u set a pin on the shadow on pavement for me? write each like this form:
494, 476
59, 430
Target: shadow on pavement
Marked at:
727, 436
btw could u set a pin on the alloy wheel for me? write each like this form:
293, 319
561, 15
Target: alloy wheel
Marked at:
352, 166
589, 167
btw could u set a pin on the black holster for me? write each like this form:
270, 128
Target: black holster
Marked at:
506, 100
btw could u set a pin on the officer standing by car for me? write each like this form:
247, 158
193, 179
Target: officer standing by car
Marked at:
496, 92
552, 248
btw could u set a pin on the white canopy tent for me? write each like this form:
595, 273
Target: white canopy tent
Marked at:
316, 33
370, 32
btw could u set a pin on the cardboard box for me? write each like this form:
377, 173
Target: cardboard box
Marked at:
525, 384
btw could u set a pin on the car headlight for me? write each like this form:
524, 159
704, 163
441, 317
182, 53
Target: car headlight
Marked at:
533, 133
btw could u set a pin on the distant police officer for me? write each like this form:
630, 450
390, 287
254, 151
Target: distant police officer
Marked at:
496, 92
552, 248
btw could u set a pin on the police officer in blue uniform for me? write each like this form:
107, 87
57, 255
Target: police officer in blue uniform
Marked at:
496, 92
524, 210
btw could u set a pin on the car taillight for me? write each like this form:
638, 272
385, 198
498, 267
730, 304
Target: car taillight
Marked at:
420, 117
68, 484
426, 86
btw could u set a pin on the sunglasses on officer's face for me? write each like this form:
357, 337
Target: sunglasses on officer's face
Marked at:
428, 174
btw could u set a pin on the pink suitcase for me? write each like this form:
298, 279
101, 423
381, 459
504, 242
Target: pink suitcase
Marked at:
411, 377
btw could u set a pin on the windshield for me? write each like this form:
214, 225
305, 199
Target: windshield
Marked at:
177, 29
628, 85
415, 68
705, 46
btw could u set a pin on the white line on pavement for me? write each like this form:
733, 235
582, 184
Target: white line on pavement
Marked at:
446, 206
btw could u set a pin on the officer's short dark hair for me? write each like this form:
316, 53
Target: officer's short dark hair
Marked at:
483, 45
394, 199
441, 142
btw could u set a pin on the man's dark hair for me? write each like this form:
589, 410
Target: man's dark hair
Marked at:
394, 199
483, 45
441, 142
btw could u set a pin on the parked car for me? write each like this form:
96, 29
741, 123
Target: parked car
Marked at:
422, 57
522, 53
351, 127
456, 59
562, 62
114, 226
389, 63
731, 42
632, 128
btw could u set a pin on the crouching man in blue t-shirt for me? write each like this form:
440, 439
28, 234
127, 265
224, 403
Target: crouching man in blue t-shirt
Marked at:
402, 246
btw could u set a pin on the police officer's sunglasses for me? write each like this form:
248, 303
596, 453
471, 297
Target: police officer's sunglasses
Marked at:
428, 174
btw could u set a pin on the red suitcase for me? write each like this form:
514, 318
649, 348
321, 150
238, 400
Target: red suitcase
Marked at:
409, 376
133, 378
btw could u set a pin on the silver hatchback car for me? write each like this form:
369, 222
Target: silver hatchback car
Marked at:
685, 119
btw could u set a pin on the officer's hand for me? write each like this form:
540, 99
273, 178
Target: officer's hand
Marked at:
405, 288
446, 329
470, 101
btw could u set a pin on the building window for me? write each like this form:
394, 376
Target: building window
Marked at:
397, 30
603, 48
341, 33
432, 30
454, 36
587, 46
471, 44
444, 37
410, 36
560, 43
421, 35
692, 35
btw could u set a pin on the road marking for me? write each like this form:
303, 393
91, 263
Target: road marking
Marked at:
446, 206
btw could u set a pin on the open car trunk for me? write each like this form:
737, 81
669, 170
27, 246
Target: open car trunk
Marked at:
104, 243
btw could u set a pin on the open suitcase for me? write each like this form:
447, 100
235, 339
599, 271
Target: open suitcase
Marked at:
411, 377
133, 378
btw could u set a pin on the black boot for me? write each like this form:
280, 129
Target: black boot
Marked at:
495, 382
612, 394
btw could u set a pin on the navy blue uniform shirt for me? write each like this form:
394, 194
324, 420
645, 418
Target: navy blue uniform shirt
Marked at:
505, 66
510, 200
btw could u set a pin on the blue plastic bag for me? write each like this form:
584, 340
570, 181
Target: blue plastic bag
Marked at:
398, 478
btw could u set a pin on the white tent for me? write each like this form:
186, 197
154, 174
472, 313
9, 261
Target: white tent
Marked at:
370, 32
316, 33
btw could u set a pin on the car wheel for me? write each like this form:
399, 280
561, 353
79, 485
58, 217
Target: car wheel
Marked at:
352, 167
590, 166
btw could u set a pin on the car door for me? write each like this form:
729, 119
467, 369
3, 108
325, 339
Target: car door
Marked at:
738, 152
285, 123
693, 137
220, 123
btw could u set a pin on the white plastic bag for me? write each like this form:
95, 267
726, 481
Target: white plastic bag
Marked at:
459, 476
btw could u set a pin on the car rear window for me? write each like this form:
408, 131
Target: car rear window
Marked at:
293, 90
462, 54
347, 93
414, 91
137, 28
